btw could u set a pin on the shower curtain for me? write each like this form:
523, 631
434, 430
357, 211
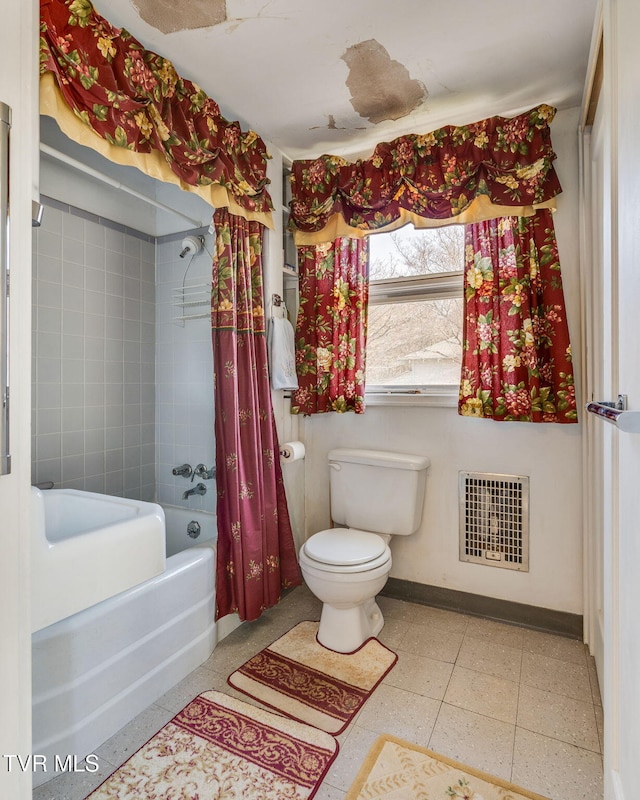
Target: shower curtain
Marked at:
256, 554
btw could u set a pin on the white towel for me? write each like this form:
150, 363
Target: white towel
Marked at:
282, 355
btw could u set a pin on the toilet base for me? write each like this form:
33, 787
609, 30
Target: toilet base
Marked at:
346, 629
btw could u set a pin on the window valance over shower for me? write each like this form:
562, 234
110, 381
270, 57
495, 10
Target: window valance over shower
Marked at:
456, 174
106, 91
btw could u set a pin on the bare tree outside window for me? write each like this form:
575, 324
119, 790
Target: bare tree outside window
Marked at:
416, 340
408, 252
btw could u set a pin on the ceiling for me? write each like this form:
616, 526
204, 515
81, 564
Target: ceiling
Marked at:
339, 76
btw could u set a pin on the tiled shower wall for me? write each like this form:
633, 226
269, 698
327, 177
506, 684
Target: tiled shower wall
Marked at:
184, 371
93, 354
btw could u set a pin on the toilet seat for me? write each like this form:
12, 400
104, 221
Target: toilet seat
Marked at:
345, 550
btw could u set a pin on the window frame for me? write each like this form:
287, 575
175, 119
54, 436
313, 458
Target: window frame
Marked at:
430, 286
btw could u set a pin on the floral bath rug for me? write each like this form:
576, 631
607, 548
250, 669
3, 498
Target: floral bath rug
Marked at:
299, 677
219, 747
398, 770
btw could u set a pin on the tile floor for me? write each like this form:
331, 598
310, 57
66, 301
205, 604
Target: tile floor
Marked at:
517, 703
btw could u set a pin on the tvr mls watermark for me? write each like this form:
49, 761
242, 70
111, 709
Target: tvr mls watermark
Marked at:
37, 762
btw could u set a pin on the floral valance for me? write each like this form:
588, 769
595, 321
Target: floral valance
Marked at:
108, 92
456, 174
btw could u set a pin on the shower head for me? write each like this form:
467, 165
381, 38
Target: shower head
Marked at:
191, 244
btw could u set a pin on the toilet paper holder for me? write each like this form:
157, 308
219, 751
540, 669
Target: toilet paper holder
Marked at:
292, 451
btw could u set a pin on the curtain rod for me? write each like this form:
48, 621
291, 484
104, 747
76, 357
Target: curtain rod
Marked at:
78, 165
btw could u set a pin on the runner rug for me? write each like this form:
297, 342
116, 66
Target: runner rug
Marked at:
299, 677
403, 771
219, 747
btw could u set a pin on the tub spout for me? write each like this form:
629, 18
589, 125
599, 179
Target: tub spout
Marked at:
200, 488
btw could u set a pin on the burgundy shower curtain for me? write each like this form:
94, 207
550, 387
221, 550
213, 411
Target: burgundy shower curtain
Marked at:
256, 554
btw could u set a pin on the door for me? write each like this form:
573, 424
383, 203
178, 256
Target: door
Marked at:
18, 90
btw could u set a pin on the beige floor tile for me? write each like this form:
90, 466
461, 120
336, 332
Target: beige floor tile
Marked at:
548, 644
407, 704
73, 785
558, 717
593, 678
392, 632
421, 675
483, 693
503, 662
498, 633
395, 609
474, 739
198, 681
599, 712
450, 621
298, 597
405, 714
127, 740
555, 769
554, 675
352, 753
286, 616
231, 654
431, 641
326, 792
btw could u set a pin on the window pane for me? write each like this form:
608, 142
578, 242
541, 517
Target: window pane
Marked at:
415, 343
408, 252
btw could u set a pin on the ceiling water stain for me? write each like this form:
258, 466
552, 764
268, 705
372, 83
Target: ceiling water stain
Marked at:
380, 87
331, 126
170, 16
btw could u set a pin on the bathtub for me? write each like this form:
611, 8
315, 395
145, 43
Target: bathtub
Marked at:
87, 547
96, 670
181, 528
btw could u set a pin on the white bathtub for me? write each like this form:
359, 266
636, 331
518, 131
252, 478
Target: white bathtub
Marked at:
178, 521
96, 670
87, 547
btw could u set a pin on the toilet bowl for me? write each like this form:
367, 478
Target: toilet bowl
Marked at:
346, 569
375, 494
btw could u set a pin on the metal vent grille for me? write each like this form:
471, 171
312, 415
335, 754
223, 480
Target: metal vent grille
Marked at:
494, 520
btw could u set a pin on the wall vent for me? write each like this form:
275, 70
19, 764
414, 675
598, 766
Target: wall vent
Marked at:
494, 520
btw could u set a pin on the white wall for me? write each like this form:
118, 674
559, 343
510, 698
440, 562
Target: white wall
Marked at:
69, 185
549, 454
287, 425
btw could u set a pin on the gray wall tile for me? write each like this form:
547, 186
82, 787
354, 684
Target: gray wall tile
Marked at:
87, 281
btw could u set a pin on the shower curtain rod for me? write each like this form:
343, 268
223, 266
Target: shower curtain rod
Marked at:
78, 165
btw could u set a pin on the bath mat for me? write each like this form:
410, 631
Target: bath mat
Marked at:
217, 747
299, 677
403, 771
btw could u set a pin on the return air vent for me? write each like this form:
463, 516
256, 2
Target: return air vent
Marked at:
494, 520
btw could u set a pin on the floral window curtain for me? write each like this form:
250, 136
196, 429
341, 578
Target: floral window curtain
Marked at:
109, 93
517, 355
456, 174
256, 553
331, 329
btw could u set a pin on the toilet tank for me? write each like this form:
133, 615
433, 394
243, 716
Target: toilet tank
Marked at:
376, 490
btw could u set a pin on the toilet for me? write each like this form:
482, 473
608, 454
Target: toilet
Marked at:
375, 495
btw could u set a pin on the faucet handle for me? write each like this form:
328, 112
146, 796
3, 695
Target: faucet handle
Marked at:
202, 472
183, 469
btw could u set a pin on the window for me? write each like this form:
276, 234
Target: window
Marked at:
414, 341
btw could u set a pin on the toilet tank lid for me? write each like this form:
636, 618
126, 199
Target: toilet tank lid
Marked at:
379, 458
